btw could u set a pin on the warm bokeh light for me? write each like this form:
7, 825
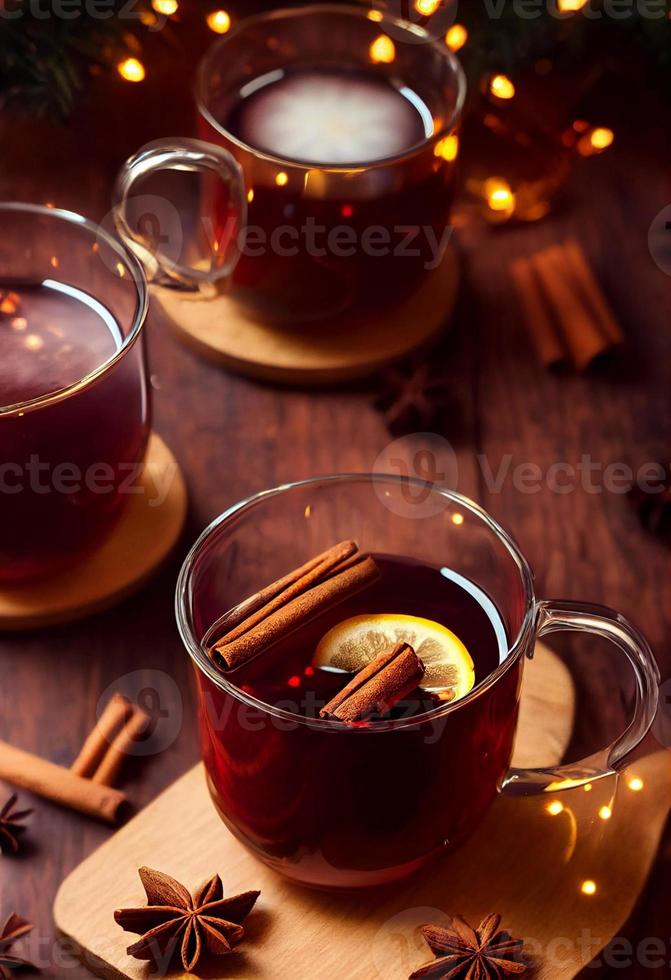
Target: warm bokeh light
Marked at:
19, 323
219, 21
499, 196
587, 787
448, 147
427, 7
570, 6
600, 138
121, 272
555, 808
595, 141
458, 519
33, 342
605, 813
9, 302
167, 7
635, 784
131, 69
456, 37
375, 16
54, 262
382, 50
282, 179
250, 195
588, 888
502, 87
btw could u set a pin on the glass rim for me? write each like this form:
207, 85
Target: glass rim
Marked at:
183, 605
350, 9
139, 316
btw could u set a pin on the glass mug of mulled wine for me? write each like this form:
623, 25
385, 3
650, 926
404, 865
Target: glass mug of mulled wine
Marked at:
74, 402
359, 643
327, 157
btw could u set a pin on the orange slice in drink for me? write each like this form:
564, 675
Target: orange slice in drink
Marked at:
354, 642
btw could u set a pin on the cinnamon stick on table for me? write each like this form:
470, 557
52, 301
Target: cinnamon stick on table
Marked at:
565, 310
116, 714
376, 688
59, 784
279, 609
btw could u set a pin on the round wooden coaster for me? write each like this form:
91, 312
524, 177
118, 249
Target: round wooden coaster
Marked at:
223, 331
147, 531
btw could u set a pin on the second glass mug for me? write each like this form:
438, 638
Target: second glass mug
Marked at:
281, 271
68, 437
339, 808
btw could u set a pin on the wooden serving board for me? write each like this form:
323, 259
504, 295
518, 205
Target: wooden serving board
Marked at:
143, 537
523, 862
318, 354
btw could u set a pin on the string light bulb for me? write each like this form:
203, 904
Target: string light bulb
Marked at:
502, 87
281, 179
427, 7
605, 813
382, 50
456, 37
166, 7
588, 888
570, 6
132, 70
219, 21
499, 196
555, 808
448, 147
635, 784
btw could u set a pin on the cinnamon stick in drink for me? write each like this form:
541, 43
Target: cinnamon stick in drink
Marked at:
286, 616
376, 688
59, 784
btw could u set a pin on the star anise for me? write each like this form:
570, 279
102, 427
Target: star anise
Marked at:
11, 826
415, 400
174, 922
15, 927
472, 954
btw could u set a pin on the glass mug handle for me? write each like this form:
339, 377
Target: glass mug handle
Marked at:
186, 155
584, 618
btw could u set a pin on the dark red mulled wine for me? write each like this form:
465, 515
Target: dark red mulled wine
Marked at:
63, 462
346, 806
348, 197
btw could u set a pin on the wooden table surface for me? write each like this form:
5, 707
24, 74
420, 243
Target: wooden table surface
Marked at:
234, 437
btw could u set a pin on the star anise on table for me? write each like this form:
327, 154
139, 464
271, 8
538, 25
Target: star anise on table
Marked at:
484, 953
11, 825
174, 922
15, 927
414, 400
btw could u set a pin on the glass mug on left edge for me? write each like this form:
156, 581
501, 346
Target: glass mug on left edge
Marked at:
333, 806
74, 400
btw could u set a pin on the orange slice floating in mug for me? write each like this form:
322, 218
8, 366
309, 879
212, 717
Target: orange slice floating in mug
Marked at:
354, 642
